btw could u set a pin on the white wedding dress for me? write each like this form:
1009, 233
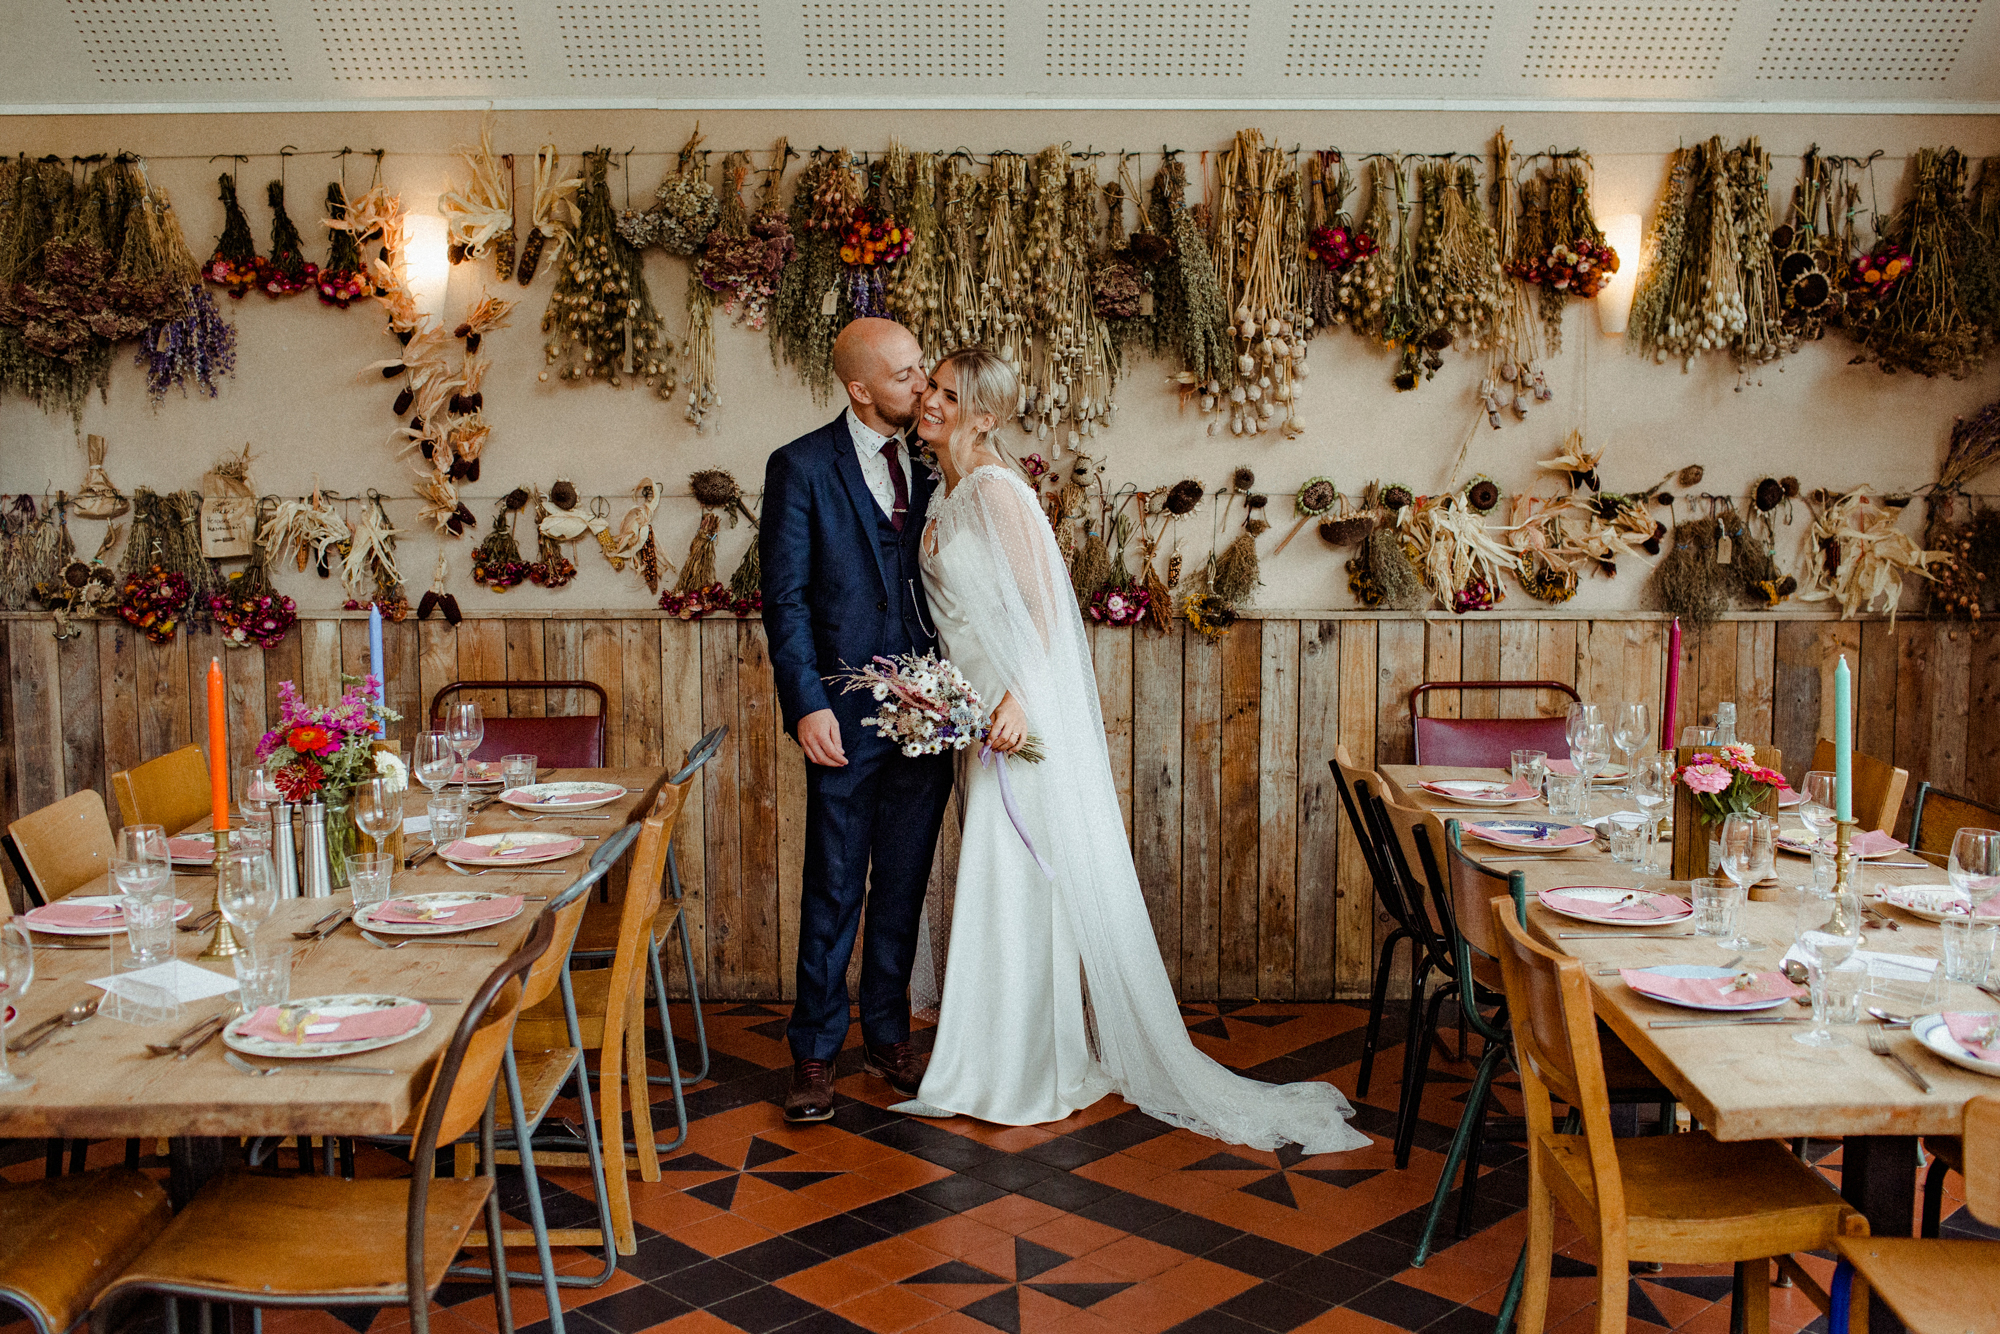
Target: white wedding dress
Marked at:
1054, 994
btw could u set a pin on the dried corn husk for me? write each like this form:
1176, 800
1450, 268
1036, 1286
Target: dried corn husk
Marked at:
1869, 555
481, 211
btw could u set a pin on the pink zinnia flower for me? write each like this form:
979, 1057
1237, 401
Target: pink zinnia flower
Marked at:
1706, 778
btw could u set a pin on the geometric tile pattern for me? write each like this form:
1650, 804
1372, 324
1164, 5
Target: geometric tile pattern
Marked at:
1107, 1223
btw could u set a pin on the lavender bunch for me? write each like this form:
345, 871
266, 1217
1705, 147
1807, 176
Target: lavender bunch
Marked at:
198, 349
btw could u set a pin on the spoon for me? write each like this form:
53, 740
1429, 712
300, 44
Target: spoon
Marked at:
199, 922
1891, 1020
504, 870
382, 944
43, 1031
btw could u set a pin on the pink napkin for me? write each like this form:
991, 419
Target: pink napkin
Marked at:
1710, 990
482, 770
562, 799
1575, 836
1964, 1027
1516, 791
389, 1023
1872, 842
479, 910
467, 851
191, 849
1652, 909
75, 914
1790, 797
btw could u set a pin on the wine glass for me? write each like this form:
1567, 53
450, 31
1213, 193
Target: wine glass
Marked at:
378, 808
1749, 845
1816, 808
1579, 717
434, 760
1652, 788
140, 870
17, 970
1631, 730
260, 795
1975, 865
465, 728
1590, 751
1822, 950
247, 892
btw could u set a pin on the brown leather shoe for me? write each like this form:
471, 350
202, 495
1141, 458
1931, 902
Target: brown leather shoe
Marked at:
896, 1063
811, 1096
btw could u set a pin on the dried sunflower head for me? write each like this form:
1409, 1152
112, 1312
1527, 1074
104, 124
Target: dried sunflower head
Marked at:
1791, 486
1482, 493
714, 488
1396, 496
1183, 497
1770, 494
1346, 532
1316, 497
563, 494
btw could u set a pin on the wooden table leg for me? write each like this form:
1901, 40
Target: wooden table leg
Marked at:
1878, 1176
193, 1160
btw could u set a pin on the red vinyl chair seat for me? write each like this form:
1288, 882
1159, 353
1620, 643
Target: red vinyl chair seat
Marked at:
573, 741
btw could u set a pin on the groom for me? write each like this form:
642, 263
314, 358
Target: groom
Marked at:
843, 513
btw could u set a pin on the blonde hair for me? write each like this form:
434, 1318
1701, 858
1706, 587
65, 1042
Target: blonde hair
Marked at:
987, 385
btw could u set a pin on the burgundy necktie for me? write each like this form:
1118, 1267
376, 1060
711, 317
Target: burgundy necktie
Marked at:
902, 487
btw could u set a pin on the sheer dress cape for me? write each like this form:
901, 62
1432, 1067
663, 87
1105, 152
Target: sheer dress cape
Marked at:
1028, 625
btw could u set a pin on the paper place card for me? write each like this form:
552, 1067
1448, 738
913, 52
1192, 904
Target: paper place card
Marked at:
183, 980
416, 824
1884, 967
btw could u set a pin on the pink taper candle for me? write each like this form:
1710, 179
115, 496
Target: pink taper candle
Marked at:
1667, 729
218, 746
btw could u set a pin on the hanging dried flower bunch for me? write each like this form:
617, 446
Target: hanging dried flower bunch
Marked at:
81, 590
916, 292
1258, 221
1191, 315
1920, 325
195, 348
600, 320
554, 214
1064, 343
1334, 242
1368, 287
1456, 555
743, 257
1514, 379
438, 597
1813, 247
167, 579
480, 213
551, 568
1975, 447
235, 266
368, 568
1979, 263
1559, 249
344, 278
697, 591
286, 270
808, 310
634, 538
249, 612
1459, 278
684, 208
1002, 311
496, 561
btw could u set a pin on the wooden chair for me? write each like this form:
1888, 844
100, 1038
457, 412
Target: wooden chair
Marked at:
609, 1005
1877, 787
1678, 1199
170, 791
1939, 815
1410, 864
1357, 786
1486, 743
263, 1240
572, 741
64, 846
1936, 1287
63, 1239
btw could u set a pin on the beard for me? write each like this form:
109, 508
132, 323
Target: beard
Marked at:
900, 417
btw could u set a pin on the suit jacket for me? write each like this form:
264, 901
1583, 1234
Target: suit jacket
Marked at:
826, 587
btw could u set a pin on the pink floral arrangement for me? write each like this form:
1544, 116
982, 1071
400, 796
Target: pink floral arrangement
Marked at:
1341, 248
1121, 606
248, 617
693, 606
925, 705
154, 602
327, 749
1728, 780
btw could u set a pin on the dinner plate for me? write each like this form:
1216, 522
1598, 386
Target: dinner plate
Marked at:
1799, 847
369, 918
562, 796
181, 909
521, 847
1475, 792
1930, 902
196, 849
1699, 970
337, 1006
1593, 903
485, 773
1531, 835
1611, 773
1930, 1029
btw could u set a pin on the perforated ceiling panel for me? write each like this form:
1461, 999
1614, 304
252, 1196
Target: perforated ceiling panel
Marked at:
1629, 42
1157, 39
1869, 43
180, 42
1383, 41
956, 39
705, 38
443, 41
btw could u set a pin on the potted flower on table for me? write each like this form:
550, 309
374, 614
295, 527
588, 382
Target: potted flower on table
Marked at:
1719, 782
327, 752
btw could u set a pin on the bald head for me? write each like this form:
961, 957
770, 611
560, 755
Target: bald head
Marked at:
881, 365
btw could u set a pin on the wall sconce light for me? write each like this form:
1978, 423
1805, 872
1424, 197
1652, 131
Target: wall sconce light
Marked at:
1614, 303
427, 262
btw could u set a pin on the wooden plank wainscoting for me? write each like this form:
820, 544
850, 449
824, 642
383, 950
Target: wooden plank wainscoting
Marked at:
1219, 749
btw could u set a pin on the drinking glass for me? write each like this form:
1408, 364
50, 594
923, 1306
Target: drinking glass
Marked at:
1822, 951
1579, 717
1842, 988
1631, 732
1697, 736
142, 875
1715, 903
1652, 788
465, 728
246, 892
447, 821
17, 970
263, 979
378, 808
1628, 836
1569, 796
368, 876
1529, 767
1816, 806
1749, 846
516, 771
434, 760
1968, 949
1974, 868
1590, 750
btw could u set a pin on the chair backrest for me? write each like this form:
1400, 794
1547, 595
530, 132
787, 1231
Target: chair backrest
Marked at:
1473, 888
1555, 1047
64, 845
567, 909
1877, 787
1412, 839
1357, 786
1939, 815
644, 883
170, 791
571, 741
1982, 1159
1485, 743
700, 753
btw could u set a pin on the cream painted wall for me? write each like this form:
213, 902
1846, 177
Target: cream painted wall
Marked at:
303, 400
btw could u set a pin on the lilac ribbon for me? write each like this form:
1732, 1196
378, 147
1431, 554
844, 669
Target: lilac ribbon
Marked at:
988, 755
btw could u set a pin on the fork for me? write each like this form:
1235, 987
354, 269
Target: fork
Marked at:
382, 944
552, 815
1878, 1042
504, 870
268, 1070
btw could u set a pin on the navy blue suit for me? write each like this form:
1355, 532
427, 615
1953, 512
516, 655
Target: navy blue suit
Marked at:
841, 586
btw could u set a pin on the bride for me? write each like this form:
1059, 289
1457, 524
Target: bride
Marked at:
1055, 994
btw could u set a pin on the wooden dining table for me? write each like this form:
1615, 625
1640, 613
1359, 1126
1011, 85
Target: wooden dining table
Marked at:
96, 1080
1746, 1082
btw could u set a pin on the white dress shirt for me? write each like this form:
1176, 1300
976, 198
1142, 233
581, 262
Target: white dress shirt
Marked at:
875, 466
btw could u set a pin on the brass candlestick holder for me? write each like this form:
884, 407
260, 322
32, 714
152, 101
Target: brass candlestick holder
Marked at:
223, 944
1846, 919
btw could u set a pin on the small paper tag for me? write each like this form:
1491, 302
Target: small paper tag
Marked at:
1725, 550
1146, 302
830, 302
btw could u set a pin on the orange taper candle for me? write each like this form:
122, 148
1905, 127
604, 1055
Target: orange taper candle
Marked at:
218, 746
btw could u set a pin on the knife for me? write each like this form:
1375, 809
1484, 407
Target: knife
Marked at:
1717, 1023
216, 1025
411, 863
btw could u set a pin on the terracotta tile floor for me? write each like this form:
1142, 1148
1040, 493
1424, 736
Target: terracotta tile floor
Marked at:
1109, 1221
